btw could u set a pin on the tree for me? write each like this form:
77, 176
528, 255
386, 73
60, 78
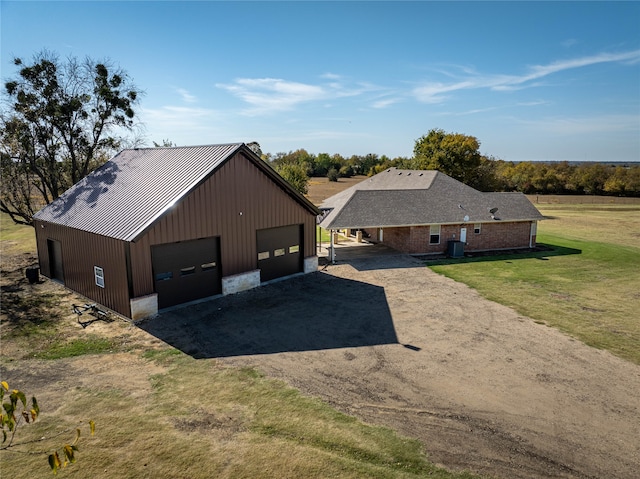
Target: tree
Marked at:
591, 178
61, 120
255, 147
165, 144
12, 415
296, 175
454, 154
333, 174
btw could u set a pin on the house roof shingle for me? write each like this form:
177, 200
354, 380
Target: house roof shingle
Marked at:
123, 197
413, 197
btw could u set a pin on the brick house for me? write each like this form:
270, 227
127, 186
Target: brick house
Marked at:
418, 212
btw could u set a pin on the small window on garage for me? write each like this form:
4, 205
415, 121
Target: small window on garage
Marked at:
294, 249
263, 255
98, 272
208, 266
188, 271
278, 252
434, 234
477, 228
165, 276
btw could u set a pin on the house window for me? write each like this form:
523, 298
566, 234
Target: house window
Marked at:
165, 276
188, 271
98, 272
208, 266
434, 234
477, 228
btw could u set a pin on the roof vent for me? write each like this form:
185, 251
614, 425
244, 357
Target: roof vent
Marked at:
399, 173
420, 174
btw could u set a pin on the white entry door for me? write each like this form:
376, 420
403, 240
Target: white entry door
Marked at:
463, 235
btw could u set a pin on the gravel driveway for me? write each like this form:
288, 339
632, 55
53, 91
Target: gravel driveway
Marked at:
393, 343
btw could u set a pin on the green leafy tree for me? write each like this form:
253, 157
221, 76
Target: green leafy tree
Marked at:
333, 174
591, 178
625, 181
60, 120
324, 163
299, 157
17, 409
454, 154
296, 175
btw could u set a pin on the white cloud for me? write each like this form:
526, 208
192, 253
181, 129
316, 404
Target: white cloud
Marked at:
186, 96
270, 95
434, 92
385, 102
437, 92
273, 94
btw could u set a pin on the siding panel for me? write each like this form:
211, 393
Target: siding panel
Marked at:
107, 253
213, 209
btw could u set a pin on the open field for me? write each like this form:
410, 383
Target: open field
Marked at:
160, 413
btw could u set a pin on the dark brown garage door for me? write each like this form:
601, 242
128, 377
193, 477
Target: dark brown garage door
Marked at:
186, 271
279, 251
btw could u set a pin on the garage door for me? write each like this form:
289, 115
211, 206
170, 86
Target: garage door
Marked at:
186, 271
279, 251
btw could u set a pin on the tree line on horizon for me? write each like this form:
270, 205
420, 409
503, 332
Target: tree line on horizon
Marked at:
457, 155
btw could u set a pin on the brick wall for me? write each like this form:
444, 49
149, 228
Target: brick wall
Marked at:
492, 236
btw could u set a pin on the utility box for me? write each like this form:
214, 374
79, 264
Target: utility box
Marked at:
455, 249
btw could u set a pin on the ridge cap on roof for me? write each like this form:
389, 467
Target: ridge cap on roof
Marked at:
176, 147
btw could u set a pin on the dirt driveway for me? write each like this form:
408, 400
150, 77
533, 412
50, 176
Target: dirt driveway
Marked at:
393, 343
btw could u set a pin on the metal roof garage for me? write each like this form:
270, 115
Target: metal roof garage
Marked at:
156, 227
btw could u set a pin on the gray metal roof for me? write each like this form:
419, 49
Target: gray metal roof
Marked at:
123, 197
414, 197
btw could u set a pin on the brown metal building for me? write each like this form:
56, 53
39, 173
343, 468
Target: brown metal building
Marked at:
157, 227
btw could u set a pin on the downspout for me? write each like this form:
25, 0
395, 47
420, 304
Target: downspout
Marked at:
332, 254
531, 234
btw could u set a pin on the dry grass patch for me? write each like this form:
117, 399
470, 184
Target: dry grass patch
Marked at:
168, 415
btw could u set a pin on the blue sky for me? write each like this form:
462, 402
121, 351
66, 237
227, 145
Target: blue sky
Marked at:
530, 80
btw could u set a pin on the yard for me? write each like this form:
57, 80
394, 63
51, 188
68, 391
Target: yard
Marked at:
159, 412
208, 392
586, 284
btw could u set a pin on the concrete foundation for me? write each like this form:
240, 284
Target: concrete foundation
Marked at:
144, 306
310, 264
240, 282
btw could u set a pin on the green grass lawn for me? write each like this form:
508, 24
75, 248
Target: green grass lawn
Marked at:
322, 235
16, 238
588, 285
